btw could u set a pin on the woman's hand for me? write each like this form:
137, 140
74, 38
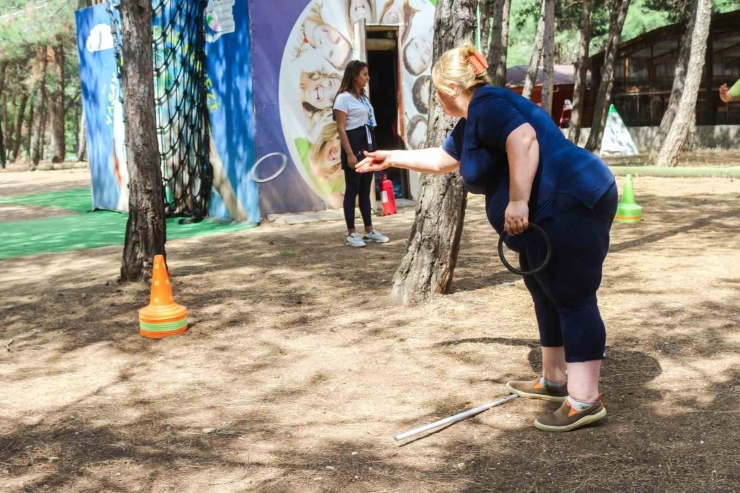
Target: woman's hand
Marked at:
374, 161
724, 93
352, 161
516, 219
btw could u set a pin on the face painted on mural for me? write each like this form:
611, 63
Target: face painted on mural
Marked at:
420, 93
424, 92
334, 47
392, 13
417, 131
319, 89
329, 166
360, 9
324, 165
417, 55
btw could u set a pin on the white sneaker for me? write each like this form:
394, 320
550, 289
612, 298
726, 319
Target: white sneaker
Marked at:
354, 240
375, 237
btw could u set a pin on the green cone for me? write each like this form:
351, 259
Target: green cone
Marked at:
628, 211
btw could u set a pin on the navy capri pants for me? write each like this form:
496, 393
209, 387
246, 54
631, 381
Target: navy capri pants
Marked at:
564, 293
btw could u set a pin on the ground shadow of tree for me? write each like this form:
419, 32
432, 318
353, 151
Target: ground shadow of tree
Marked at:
656, 438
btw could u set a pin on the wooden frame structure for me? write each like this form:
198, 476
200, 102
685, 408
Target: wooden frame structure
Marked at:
644, 67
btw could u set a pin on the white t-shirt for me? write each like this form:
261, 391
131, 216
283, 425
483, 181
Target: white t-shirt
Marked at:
359, 111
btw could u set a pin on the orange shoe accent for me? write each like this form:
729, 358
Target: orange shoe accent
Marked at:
162, 308
572, 411
539, 385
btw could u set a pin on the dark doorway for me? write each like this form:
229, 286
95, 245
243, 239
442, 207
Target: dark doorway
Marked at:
382, 60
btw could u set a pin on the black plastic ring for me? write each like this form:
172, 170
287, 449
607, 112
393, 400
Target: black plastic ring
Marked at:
531, 272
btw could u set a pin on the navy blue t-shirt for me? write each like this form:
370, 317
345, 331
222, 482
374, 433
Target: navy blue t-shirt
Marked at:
479, 144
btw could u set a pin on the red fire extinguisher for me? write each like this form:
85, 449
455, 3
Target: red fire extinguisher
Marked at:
386, 195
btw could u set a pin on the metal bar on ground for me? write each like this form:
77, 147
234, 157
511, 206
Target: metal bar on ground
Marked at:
455, 418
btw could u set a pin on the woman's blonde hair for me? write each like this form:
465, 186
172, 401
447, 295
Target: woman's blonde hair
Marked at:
454, 67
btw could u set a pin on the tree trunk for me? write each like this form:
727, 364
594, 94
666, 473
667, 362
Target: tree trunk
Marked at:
534, 61
603, 100
486, 14
10, 128
433, 245
3, 66
679, 79
579, 89
691, 138
2, 149
76, 129
44, 137
499, 42
82, 139
29, 130
19, 125
145, 230
548, 58
4, 123
38, 134
676, 138
57, 104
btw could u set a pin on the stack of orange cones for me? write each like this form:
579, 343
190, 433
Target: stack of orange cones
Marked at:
163, 317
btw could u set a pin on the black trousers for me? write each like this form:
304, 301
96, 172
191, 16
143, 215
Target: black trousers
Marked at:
564, 293
357, 184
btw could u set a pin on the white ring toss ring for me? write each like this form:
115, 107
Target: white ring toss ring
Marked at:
253, 173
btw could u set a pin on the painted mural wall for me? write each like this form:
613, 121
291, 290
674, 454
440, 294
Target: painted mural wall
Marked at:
300, 50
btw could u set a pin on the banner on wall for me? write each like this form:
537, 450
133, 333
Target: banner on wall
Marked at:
229, 100
230, 106
300, 50
103, 109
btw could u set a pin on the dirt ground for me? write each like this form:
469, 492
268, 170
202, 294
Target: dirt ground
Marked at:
297, 370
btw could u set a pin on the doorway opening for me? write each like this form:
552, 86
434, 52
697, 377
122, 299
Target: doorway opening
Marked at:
381, 45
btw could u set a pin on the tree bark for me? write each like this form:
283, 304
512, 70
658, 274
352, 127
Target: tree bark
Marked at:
38, 134
4, 123
579, 89
19, 125
431, 252
679, 80
486, 14
548, 58
499, 42
2, 148
44, 136
29, 129
57, 104
145, 230
690, 143
603, 100
10, 127
3, 66
679, 130
82, 138
76, 129
534, 61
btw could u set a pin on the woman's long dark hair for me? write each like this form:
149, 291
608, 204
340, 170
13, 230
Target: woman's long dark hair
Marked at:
353, 70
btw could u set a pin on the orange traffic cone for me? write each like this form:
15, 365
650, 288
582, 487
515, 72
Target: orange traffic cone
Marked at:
163, 317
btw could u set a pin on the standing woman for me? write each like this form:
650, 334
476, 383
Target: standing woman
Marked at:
356, 123
510, 150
